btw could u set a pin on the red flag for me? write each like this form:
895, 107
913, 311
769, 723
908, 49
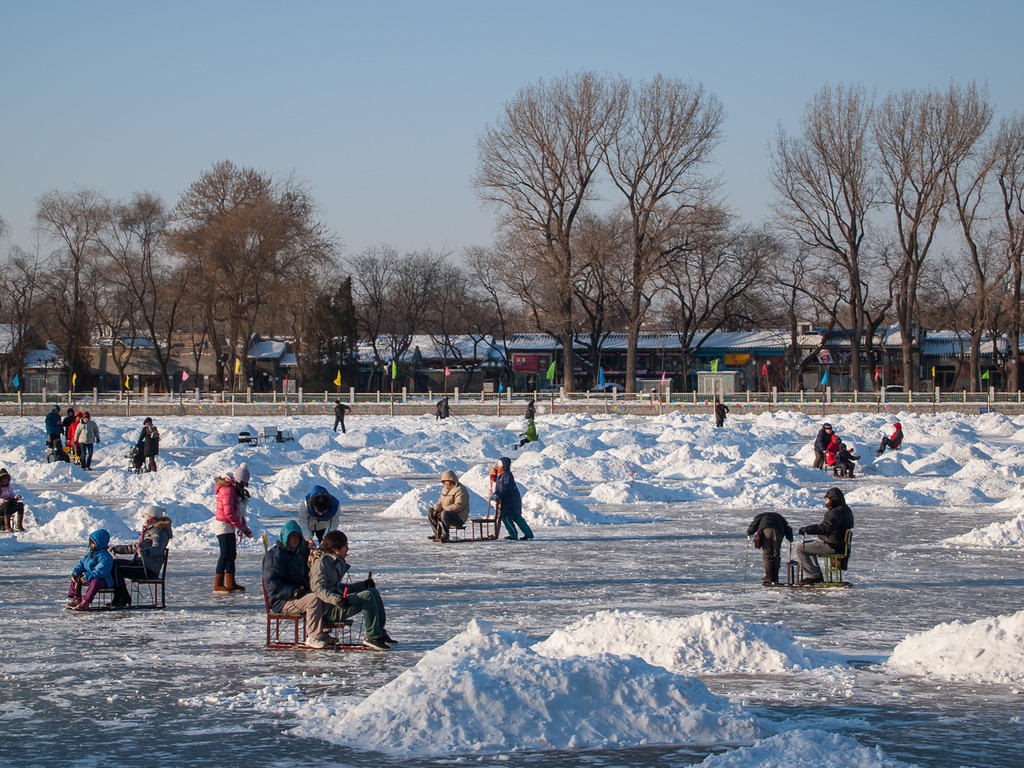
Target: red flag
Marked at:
764, 369
878, 374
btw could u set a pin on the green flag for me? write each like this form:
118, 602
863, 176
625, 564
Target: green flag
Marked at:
984, 376
714, 365
551, 372
394, 370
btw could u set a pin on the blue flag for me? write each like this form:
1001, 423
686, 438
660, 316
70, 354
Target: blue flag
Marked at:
16, 382
824, 377
600, 377
501, 387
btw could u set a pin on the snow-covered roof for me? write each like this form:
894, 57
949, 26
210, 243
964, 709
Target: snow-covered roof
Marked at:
267, 349
771, 339
44, 358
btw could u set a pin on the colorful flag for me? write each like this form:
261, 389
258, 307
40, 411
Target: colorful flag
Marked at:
238, 365
74, 379
824, 377
878, 373
600, 376
337, 379
501, 387
933, 371
446, 371
127, 381
764, 369
17, 381
550, 376
394, 370
984, 376
714, 365
662, 378
184, 375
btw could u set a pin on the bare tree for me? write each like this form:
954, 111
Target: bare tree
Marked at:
668, 132
19, 308
495, 300
74, 220
1008, 171
825, 182
537, 167
920, 136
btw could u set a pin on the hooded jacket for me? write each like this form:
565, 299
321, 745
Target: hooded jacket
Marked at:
822, 439
327, 579
506, 492
53, 421
454, 499
897, 436
332, 509
229, 512
833, 527
98, 563
285, 570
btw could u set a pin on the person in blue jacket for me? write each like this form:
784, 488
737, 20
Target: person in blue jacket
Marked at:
321, 510
94, 572
508, 501
286, 577
53, 428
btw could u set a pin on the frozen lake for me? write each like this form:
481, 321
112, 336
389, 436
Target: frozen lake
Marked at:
193, 685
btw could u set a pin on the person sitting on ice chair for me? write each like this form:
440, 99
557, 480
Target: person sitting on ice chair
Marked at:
286, 576
831, 533
452, 507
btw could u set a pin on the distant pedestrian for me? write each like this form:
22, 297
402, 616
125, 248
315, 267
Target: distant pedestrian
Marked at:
508, 500
149, 444
531, 411
87, 435
720, 410
340, 409
232, 498
66, 423
442, 411
821, 442
53, 422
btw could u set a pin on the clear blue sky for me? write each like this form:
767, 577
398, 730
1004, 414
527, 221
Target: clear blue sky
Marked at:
377, 106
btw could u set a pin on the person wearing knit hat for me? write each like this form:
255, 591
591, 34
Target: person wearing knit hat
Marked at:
232, 495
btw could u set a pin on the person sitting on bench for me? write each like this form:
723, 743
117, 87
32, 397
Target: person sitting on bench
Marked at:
286, 576
148, 556
327, 580
831, 533
452, 507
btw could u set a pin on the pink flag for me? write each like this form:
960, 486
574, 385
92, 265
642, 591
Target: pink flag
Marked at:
446, 371
662, 377
184, 375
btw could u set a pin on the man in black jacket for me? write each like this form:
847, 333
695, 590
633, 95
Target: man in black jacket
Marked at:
821, 443
772, 528
831, 533
339, 415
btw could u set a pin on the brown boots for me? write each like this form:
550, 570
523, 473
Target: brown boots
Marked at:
218, 583
230, 585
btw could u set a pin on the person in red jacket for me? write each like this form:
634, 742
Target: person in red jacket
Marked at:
893, 441
232, 496
832, 449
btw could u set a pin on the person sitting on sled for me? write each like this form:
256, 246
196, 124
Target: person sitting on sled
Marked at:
327, 581
92, 572
844, 461
12, 509
831, 533
147, 555
768, 530
508, 501
452, 507
892, 441
286, 576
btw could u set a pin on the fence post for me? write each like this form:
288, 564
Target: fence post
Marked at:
991, 395
938, 395
352, 395
405, 395
232, 403
21, 407
748, 397
455, 392
855, 393
775, 395
300, 395
828, 395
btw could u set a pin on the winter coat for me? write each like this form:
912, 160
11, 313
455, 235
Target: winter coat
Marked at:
506, 492
87, 433
531, 432
53, 422
770, 520
340, 409
285, 570
720, 410
65, 425
7, 491
822, 440
326, 579
896, 438
332, 510
832, 449
73, 427
153, 543
454, 499
230, 510
149, 441
833, 527
530, 411
845, 455
98, 563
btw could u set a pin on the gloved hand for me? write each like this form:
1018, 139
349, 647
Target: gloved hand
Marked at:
371, 584
802, 531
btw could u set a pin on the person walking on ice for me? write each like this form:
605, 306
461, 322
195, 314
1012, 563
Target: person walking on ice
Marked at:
340, 409
509, 501
720, 410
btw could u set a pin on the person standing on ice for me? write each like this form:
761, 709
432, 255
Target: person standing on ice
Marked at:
768, 530
821, 445
53, 422
442, 411
531, 410
720, 410
149, 444
452, 507
831, 533
894, 441
286, 575
321, 511
340, 409
327, 581
87, 434
229, 523
92, 572
508, 500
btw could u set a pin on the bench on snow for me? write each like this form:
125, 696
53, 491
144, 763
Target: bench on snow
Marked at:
341, 633
266, 435
481, 528
832, 567
155, 590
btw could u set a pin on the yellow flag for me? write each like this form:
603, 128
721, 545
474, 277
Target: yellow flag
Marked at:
337, 379
238, 365
127, 381
933, 371
74, 379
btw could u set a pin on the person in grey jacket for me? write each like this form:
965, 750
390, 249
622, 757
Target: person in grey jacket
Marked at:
148, 556
327, 581
87, 435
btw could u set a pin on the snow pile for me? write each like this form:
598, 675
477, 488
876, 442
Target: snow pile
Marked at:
708, 643
1005, 535
817, 748
487, 691
989, 650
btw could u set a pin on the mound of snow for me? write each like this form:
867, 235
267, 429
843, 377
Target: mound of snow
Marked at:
708, 643
989, 650
461, 697
1005, 535
632, 492
817, 748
